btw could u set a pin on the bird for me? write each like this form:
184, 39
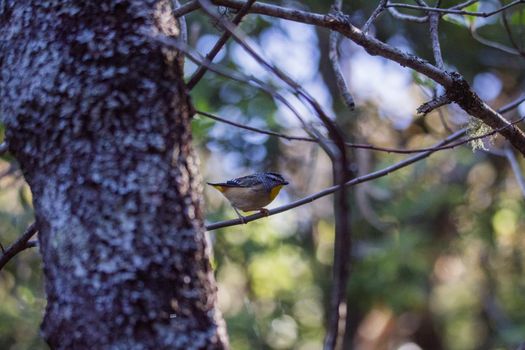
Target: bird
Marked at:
252, 192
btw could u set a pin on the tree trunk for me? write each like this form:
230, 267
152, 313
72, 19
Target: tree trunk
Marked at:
98, 117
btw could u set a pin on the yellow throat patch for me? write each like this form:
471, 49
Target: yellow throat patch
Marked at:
219, 187
275, 191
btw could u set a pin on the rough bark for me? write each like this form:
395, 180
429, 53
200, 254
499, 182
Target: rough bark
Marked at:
98, 117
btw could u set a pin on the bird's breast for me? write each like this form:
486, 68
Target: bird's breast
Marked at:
247, 199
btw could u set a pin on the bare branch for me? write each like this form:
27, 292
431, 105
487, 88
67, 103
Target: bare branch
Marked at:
512, 105
464, 4
342, 245
333, 131
237, 76
342, 24
276, 11
404, 17
251, 128
197, 76
186, 8
377, 12
19, 245
495, 45
437, 102
456, 86
456, 11
339, 78
353, 145
434, 36
182, 21
510, 36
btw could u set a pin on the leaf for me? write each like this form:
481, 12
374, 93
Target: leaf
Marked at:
456, 19
518, 17
463, 20
471, 20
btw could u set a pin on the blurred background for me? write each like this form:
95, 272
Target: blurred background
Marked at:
438, 246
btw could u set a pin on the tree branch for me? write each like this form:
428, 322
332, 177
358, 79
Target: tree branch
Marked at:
464, 4
434, 36
510, 36
377, 12
437, 102
186, 8
457, 11
495, 45
456, 86
197, 76
339, 77
404, 17
504, 109
182, 21
19, 245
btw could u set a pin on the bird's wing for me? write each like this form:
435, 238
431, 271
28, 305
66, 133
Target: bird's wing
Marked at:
245, 181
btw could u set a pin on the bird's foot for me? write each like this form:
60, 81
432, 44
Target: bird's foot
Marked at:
264, 211
243, 220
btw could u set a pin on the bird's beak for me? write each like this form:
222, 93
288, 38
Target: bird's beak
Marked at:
286, 183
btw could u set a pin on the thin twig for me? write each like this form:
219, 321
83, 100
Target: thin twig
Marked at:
251, 128
458, 88
348, 144
434, 36
464, 4
437, 102
19, 245
377, 12
510, 36
234, 75
457, 11
197, 76
511, 105
495, 45
333, 131
186, 8
339, 77
182, 21
404, 17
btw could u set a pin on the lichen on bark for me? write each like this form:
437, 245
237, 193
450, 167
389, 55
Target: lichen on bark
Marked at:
98, 117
